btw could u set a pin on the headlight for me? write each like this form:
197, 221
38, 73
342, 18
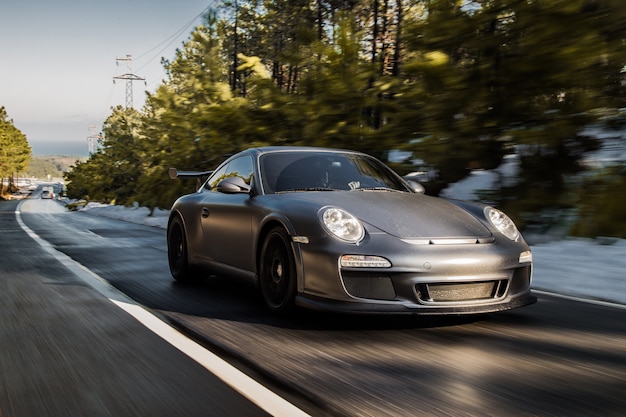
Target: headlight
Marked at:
364, 261
502, 222
342, 224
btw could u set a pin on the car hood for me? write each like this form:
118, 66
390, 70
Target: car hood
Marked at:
405, 215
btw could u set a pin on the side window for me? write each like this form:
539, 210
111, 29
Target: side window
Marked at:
215, 178
240, 167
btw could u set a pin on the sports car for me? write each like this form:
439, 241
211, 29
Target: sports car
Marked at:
340, 231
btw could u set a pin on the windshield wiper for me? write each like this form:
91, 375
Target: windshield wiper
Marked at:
377, 189
307, 189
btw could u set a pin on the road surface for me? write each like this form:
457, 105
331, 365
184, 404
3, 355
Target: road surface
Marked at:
558, 357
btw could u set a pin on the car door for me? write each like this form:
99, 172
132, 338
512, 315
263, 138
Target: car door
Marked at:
227, 219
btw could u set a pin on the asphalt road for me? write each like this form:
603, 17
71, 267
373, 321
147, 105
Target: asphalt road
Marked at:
66, 350
557, 357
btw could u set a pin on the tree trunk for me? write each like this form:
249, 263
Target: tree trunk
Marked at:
396, 53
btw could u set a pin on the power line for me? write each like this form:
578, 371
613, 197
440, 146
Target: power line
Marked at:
129, 77
169, 40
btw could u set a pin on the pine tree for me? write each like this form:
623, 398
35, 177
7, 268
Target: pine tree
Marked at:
505, 74
15, 152
110, 175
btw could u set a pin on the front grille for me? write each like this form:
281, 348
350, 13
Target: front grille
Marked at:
369, 286
461, 291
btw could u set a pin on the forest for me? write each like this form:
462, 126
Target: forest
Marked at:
456, 84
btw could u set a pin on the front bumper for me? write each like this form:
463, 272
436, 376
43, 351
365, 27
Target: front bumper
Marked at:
423, 279
370, 307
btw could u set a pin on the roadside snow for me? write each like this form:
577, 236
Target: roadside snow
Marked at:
586, 268
480, 179
138, 215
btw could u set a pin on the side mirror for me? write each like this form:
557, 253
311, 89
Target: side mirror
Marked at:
416, 186
233, 185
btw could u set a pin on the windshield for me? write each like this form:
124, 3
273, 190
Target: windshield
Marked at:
325, 171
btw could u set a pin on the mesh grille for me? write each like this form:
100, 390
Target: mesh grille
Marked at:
469, 291
377, 288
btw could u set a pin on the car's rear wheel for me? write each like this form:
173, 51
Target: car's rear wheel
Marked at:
177, 254
277, 275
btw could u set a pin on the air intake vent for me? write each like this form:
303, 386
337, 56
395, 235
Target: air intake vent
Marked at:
464, 291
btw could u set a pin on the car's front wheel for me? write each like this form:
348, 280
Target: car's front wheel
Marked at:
177, 250
277, 275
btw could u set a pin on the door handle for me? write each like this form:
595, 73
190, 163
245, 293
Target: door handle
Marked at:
205, 212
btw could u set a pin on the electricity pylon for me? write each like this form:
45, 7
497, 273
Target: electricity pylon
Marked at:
93, 140
129, 77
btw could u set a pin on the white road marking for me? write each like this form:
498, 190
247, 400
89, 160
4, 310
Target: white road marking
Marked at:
266, 399
248, 387
580, 299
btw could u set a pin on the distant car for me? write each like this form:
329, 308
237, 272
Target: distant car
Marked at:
338, 230
47, 192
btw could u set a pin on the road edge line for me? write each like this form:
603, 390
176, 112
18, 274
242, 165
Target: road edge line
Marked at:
580, 299
254, 391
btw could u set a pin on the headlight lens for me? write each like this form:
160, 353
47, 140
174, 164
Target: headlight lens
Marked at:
502, 222
342, 224
364, 261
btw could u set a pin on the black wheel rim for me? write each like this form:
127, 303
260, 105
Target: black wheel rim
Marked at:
276, 272
176, 247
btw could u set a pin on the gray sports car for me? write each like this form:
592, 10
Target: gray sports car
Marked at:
338, 230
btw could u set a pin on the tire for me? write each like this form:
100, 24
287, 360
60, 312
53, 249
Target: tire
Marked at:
277, 272
177, 253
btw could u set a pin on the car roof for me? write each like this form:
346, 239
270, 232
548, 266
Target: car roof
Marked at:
273, 149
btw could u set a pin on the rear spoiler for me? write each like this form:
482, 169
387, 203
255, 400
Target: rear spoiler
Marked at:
174, 173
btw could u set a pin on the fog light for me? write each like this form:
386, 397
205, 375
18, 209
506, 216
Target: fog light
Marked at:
364, 261
525, 257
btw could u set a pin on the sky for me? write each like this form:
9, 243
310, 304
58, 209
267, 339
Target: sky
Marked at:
58, 59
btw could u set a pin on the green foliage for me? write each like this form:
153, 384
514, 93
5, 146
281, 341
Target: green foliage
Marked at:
53, 166
15, 152
192, 121
113, 172
601, 205
43, 168
459, 84
508, 73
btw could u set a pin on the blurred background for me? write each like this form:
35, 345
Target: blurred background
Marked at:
517, 103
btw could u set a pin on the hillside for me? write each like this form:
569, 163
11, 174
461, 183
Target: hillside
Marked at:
43, 167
